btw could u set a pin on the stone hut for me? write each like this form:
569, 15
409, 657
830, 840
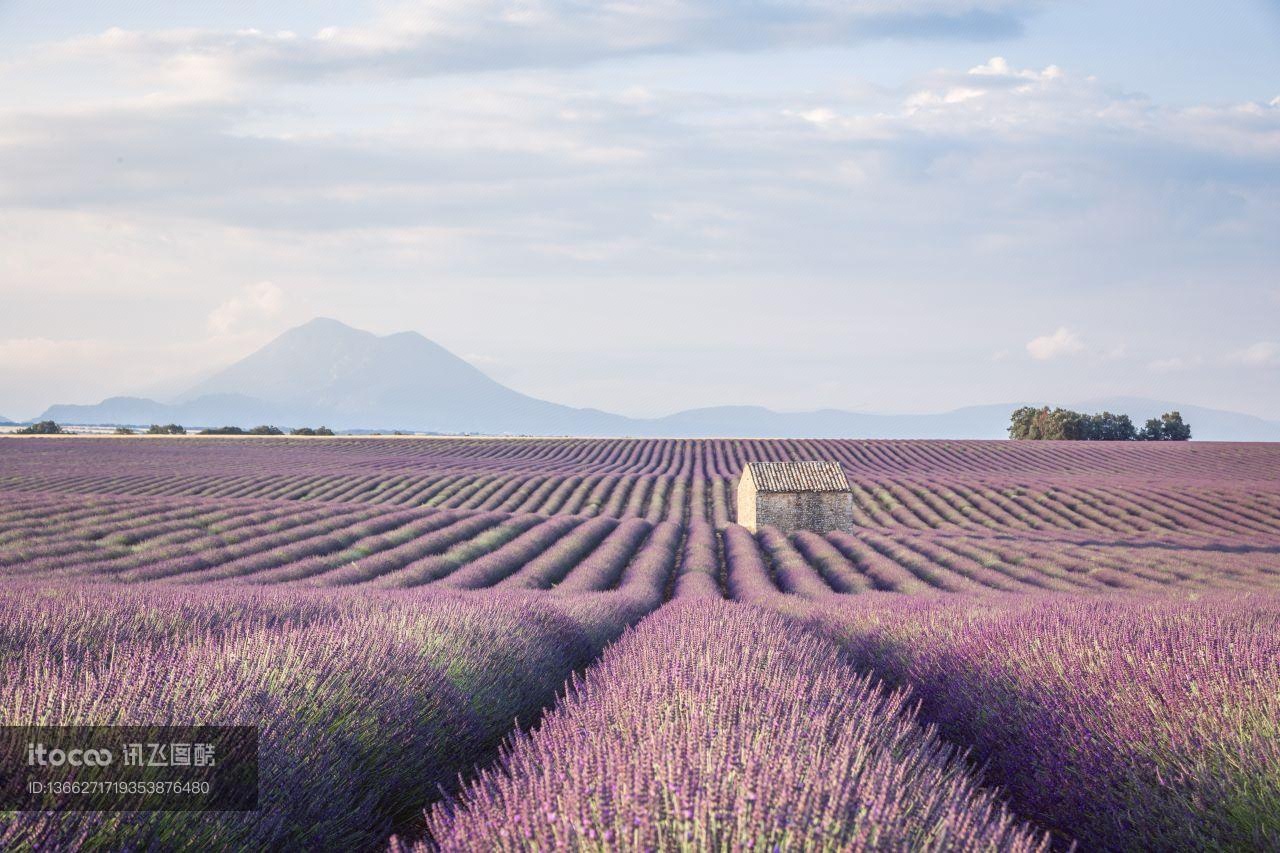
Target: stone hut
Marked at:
795, 496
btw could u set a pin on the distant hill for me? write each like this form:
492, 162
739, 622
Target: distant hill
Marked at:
325, 372
209, 410
5, 421
1207, 424
974, 422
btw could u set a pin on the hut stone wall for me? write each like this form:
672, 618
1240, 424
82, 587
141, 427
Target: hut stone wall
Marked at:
747, 502
820, 511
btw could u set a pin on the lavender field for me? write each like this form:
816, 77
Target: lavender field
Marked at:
568, 643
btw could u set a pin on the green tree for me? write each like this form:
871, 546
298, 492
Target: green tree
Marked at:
265, 429
1175, 429
324, 430
1044, 424
124, 431
42, 428
1053, 424
1108, 427
167, 429
1168, 427
1021, 423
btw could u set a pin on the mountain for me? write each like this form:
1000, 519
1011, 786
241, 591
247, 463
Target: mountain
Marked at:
210, 410
5, 421
1206, 424
989, 422
325, 372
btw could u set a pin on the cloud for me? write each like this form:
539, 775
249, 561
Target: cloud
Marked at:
428, 37
47, 353
1174, 364
1063, 342
1031, 188
995, 93
37, 371
1261, 354
252, 305
998, 66
1030, 156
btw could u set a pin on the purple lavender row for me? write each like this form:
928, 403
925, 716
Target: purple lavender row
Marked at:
367, 539
550, 567
267, 551
454, 530
437, 566
175, 557
110, 555
914, 486
366, 704
699, 563
106, 459
497, 565
313, 544
604, 566
716, 726
1124, 723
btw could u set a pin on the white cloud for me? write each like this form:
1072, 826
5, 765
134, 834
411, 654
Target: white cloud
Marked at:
952, 95
252, 305
1175, 364
257, 164
817, 115
998, 66
1021, 96
428, 37
36, 372
1261, 354
995, 66
1063, 342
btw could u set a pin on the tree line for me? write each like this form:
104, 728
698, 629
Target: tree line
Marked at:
42, 428
265, 429
1045, 424
53, 428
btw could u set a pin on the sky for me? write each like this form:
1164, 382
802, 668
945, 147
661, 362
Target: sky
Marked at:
905, 206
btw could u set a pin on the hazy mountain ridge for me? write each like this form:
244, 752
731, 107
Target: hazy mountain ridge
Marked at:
325, 372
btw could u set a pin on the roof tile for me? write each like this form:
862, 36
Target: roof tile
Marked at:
798, 477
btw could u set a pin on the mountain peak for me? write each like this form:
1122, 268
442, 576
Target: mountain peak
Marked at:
322, 322
326, 372
327, 331
324, 326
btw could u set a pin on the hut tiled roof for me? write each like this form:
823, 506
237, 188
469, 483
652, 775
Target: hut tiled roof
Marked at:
798, 477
